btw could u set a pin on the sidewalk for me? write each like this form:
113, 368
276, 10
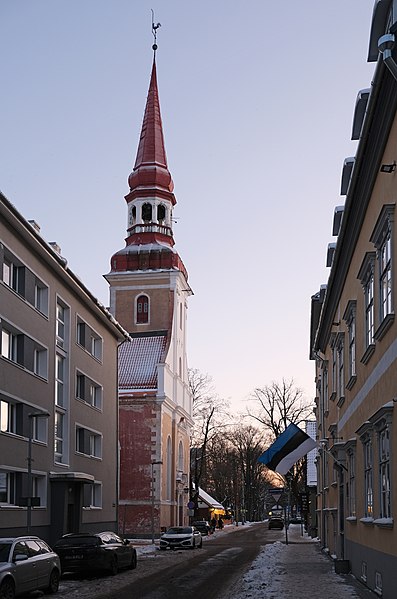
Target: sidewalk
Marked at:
298, 570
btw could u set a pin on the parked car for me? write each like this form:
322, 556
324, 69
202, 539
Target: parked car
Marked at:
276, 522
203, 526
103, 551
27, 564
179, 537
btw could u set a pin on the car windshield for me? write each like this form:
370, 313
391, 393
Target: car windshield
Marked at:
4, 551
69, 541
177, 530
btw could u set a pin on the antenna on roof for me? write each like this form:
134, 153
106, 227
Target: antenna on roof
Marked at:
154, 31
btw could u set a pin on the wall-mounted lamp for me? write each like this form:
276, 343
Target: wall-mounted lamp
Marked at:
388, 168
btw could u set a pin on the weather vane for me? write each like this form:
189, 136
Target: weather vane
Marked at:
154, 31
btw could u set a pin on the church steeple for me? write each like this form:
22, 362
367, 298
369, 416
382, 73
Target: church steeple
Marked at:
150, 201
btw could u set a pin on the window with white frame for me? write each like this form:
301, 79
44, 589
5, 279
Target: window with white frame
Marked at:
384, 472
59, 436
88, 390
88, 442
7, 488
324, 387
352, 482
382, 237
59, 380
24, 282
350, 319
368, 479
23, 350
8, 417
62, 324
367, 278
385, 278
334, 373
341, 366
89, 339
142, 309
92, 493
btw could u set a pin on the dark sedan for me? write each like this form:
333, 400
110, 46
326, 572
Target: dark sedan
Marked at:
276, 522
203, 527
104, 552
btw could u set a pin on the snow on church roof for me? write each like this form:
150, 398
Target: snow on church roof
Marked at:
138, 360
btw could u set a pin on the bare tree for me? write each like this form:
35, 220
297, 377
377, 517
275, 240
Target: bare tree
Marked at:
209, 414
279, 404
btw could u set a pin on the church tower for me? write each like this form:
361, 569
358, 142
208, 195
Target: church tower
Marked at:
148, 296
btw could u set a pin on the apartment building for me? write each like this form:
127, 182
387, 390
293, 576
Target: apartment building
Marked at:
58, 391
354, 337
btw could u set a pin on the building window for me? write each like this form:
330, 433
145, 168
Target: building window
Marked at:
369, 310
350, 318
341, 367
334, 373
8, 417
7, 488
352, 483
180, 457
142, 309
24, 350
384, 473
385, 278
92, 495
59, 380
147, 212
89, 339
24, 282
169, 470
368, 480
324, 387
60, 325
161, 212
59, 436
88, 442
89, 391
382, 239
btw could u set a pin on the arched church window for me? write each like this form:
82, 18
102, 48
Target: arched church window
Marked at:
180, 457
161, 212
169, 469
142, 309
132, 216
147, 212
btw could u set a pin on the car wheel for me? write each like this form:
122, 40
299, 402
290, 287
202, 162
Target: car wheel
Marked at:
7, 590
113, 566
201, 544
133, 561
53, 585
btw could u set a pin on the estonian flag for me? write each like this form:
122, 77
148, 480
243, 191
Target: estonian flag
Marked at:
288, 448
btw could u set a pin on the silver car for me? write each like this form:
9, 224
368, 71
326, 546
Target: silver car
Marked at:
179, 537
27, 564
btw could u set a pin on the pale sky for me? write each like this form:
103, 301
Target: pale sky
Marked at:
257, 100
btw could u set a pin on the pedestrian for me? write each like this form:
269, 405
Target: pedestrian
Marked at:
220, 523
213, 524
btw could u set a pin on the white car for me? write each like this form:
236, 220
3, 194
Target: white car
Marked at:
180, 537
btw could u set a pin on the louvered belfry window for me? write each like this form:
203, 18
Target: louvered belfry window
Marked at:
142, 309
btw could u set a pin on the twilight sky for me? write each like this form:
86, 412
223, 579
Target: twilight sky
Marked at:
257, 100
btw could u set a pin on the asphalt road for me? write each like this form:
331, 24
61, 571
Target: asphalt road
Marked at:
211, 573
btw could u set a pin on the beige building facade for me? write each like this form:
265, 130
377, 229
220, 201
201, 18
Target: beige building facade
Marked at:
354, 339
58, 391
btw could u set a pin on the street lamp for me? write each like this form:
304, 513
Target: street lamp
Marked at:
31, 417
153, 464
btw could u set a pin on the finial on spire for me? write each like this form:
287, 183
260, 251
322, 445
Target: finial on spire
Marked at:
154, 31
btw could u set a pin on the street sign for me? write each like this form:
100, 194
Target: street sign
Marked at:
276, 493
190, 505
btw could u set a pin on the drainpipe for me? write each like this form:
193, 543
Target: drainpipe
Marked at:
385, 46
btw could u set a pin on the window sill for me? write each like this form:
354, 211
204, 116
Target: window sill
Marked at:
384, 326
351, 519
384, 522
368, 354
351, 382
367, 521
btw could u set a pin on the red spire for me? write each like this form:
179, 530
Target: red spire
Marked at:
151, 168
